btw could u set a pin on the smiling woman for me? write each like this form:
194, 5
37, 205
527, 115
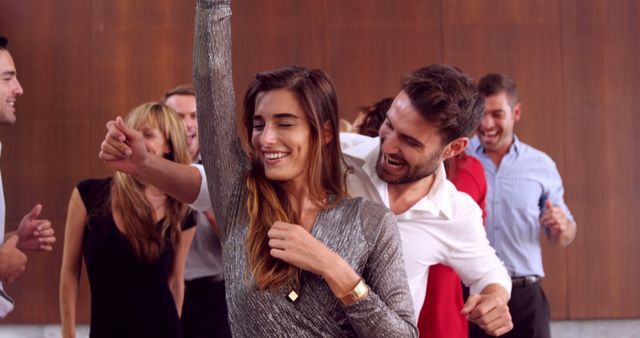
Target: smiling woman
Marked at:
290, 145
280, 135
134, 240
319, 263
315, 262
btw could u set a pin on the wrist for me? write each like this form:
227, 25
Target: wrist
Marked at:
496, 290
144, 166
358, 293
327, 266
339, 275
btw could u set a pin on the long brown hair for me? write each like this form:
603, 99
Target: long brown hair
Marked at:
146, 236
267, 201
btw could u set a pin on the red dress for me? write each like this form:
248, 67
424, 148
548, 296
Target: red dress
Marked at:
440, 315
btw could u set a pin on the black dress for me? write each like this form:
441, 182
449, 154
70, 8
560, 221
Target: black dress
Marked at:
129, 297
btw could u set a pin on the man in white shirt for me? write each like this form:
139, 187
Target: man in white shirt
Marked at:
427, 123
32, 234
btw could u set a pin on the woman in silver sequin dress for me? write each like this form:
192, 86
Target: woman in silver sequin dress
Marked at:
301, 258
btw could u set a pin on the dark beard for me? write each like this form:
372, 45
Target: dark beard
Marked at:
415, 173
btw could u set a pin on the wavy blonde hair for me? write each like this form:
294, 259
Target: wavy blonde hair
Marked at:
147, 237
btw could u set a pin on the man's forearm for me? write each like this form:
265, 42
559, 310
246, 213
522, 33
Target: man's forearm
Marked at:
181, 181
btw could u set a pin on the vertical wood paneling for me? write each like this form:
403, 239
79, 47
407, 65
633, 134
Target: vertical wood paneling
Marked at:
139, 49
273, 34
601, 70
371, 45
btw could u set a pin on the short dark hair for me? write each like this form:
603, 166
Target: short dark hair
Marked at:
375, 116
496, 83
4, 42
184, 89
447, 97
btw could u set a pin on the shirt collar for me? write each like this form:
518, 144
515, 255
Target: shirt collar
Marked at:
364, 151
438, 200
516, 145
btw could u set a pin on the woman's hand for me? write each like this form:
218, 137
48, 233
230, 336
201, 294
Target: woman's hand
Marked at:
295, 245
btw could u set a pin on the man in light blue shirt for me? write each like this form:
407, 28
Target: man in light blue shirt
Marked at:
525, 198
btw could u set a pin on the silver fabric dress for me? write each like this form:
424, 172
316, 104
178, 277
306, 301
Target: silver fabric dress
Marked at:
363, 233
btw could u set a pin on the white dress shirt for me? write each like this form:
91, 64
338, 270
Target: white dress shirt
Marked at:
444, 227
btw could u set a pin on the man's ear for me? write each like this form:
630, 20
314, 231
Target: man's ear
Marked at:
455, 147
517, 112
327, 132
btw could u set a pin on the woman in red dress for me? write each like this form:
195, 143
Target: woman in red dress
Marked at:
440, 315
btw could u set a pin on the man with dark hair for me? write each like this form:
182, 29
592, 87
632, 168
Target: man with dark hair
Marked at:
204, 312
33, 234
525, 197
369, 119
428, 122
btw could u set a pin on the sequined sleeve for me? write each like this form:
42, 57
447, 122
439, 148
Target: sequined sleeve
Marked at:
388, 310
220, 148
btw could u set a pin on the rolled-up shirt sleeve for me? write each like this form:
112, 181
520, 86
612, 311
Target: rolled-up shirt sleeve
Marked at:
203, 201
474, 259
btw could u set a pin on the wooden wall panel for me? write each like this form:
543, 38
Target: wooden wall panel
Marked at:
140, 49
273, 34
601, 49
371, 45
84, 62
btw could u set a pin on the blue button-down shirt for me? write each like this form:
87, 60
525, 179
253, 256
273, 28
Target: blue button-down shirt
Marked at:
516, 196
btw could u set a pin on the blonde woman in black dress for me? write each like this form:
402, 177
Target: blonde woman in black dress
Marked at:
134, 240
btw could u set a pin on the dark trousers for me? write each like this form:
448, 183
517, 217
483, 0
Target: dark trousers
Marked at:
204, 312
529, 311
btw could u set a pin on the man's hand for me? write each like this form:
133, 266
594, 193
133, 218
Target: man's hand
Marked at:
123, 148
35, 234
489, 312
562, 230
12, 260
